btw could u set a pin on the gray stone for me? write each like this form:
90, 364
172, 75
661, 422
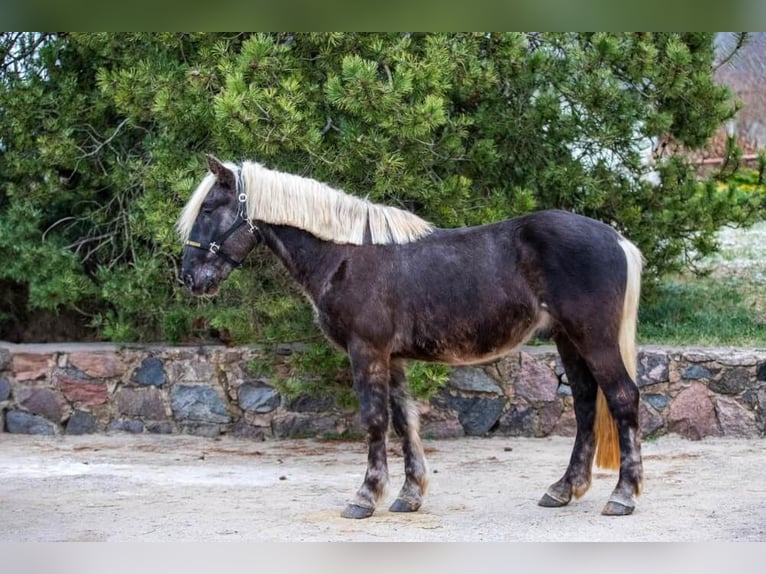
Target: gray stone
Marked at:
208, 430
150, 373
5, 359
738, 358
81, 422
649, 422
258, 397
559, 370
40, 401
287, 349
471, 379
696, 372
311, 404
192, 371
750, 398
760, 371
5, 388
653, 368
692, 413
241, 429
283, 350
732, 381
525, 420
198, 403
438, 420
567, 423
519, 420
126, 425
145, 403
547, 417
444, 428
657, 400
761, 398
564, 390
159, 427
697, 356
534, 381
24, 423
477, 414
761, 410
735, 419
299, 425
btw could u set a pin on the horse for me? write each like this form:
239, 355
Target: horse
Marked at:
387, 286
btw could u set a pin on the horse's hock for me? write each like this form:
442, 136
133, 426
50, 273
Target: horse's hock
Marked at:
212, 390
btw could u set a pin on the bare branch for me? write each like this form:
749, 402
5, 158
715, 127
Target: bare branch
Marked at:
107, 140
742, 37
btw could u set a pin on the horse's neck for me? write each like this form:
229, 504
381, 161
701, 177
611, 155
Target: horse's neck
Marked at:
307, 258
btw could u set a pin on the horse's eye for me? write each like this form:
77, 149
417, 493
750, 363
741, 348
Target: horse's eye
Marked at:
206, 209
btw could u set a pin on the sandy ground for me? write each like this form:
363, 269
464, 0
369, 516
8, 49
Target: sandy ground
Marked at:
181, 488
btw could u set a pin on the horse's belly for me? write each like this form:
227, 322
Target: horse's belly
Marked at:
469, 358
472, 344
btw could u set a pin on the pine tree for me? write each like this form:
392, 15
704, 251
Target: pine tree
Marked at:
102, 138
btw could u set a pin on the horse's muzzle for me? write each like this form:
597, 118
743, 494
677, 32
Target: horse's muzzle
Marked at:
205, 283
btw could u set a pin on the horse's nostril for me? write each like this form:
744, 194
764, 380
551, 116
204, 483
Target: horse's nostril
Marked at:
188, 281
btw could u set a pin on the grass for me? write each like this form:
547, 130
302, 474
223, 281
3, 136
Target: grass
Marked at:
703, 312
727, 307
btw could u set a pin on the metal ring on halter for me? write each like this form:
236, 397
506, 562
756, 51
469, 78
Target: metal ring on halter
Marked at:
242, 212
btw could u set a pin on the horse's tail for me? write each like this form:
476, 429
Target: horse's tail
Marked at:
607, 437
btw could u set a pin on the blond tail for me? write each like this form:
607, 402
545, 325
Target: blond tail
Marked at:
607, 438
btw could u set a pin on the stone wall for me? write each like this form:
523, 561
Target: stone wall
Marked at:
87, 388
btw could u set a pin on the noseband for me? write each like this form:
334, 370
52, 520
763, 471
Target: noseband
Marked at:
242, 219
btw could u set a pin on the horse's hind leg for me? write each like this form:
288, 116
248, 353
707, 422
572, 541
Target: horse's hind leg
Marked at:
371, 377
622, 396
406, 425
577, 478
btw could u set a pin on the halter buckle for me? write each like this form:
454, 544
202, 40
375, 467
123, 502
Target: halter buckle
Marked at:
214, 247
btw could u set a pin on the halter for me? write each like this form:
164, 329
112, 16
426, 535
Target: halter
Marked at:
242, 219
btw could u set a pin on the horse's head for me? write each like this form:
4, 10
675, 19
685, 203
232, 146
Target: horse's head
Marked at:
218, 234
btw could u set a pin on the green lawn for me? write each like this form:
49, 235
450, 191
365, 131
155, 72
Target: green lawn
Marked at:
727, 307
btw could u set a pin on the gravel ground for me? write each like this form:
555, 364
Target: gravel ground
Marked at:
181, 488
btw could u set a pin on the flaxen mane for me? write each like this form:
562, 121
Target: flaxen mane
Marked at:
286, 199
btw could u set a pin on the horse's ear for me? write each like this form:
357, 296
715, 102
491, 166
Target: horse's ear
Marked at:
222, 173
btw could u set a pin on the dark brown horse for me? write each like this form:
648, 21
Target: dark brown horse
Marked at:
388, 287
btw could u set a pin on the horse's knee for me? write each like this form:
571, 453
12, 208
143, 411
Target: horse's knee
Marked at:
375, 423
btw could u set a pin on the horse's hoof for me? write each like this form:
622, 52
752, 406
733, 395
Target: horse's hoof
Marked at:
356, 511
402, 505
614, 508
551, 501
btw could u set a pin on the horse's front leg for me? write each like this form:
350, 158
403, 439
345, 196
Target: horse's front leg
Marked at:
405, 421
371, 376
